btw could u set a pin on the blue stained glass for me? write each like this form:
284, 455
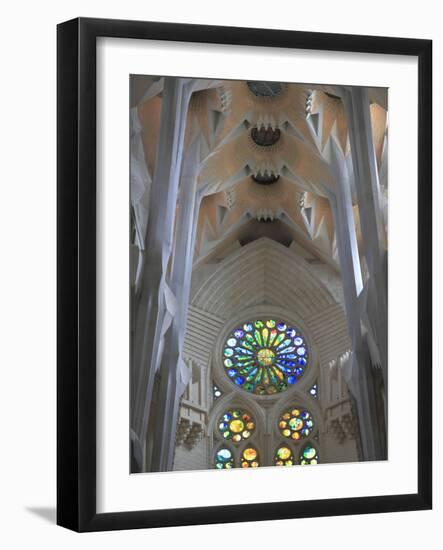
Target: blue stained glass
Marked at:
313, 391
262, 359
224, 459
293, 425
284, 344
286, 361
289, 349
298, 341
309, 455
244, 350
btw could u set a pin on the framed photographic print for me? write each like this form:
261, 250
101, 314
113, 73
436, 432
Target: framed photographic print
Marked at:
244, 274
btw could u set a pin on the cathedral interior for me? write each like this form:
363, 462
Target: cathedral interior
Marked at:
258, 261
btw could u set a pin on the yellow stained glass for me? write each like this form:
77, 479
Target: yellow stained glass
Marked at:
236, 426
265, 357
284, 453
250, 454
297, 423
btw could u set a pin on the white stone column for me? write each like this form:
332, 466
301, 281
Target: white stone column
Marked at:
163, 199
173, 372
358, 375
367, 186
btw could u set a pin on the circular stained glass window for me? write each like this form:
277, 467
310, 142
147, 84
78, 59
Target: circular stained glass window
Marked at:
296, 424
249, 458
265, 89
265, 356
236, 425
283, 457
309, 455
224, 459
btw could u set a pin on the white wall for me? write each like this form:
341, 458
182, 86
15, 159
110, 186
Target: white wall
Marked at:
27, 289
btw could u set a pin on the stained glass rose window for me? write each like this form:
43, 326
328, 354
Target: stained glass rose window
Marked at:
236, 425
296, 423
265, 356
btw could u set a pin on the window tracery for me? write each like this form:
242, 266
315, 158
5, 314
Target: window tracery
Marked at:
296, 424
265, 356
236, 425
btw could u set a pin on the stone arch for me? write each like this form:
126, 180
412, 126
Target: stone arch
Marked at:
265, 272
239, 400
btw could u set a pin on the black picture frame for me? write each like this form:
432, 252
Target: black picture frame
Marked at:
76, 266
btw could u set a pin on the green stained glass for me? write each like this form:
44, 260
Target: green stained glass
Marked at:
236, 425
265, 356
296, 424
309, 455
283, 457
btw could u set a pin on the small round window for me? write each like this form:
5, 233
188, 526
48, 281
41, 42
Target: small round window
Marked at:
236, 425
297, 423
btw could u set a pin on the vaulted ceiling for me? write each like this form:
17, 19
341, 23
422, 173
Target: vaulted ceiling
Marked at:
264, 162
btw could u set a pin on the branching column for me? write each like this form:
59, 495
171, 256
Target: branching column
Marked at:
358, 375
158, 243
173, 372
368, 193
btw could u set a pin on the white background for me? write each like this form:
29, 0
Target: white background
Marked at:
116, 490
27, 295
